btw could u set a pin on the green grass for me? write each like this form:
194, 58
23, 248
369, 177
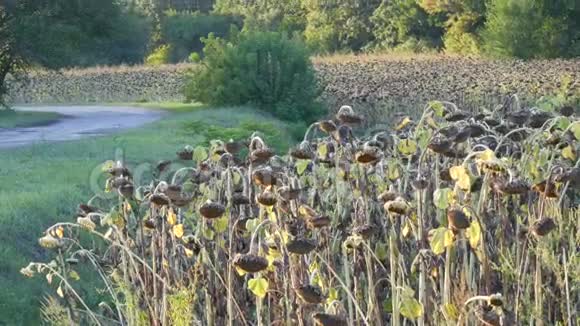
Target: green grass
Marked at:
13, 119
43, 184
167, 106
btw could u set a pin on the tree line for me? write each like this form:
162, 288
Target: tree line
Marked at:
79, 33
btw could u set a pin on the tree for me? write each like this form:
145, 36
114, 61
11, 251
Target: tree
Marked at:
398, 21
10, 60
339, 24
64, 33
528, 29
287, 16
265, 69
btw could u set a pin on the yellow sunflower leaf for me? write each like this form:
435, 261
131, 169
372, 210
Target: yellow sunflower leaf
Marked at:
407, 147
451, 311
393, 170
575, 129
240, 271
569, 153
487, 155
461, 176
74, 275
473, 233
258, 286
439, 239
322, 150
178, 230
411, 308
221, 224
171, 217
403, 123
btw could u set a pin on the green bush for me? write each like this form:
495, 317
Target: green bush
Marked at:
265, 69
159, 56
461, 36
184, 30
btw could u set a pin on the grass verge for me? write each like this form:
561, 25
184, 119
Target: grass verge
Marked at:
16, 119
166, 106
43, 184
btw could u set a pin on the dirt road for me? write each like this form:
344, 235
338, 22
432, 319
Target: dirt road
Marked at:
78, 122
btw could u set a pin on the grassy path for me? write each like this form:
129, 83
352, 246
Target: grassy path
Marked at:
18, 119
43, 184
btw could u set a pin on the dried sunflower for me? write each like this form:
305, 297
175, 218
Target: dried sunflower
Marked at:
310, 293
250, 263
211, 209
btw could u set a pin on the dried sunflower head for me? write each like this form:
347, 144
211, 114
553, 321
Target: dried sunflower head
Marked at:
324, 319
162, 165
539, 118
567, 110
327, 126
420, 182
476, 130
211, 209
462, 135
84, 209
49, 242
440, 145
388, 195
233, 147
250, 263
365, 231
369, 155
543, 226
267, 198
264, 177
173, 191
86, 223
346, 115
457, 219
457, 116
302, 153
186, 153
513, 187
397, 206
318, 222
519, 117
301, 246
159, 199
310, 293
126, 190
546, 188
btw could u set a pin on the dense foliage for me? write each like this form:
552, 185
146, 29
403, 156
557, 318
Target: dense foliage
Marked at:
265, 69
61, 33
510, 28
453, 218
183, 31
7, 53
529, 29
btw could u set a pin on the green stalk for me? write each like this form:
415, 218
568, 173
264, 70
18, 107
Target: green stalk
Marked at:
393, 269
422, 290
538, 291
348, 281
